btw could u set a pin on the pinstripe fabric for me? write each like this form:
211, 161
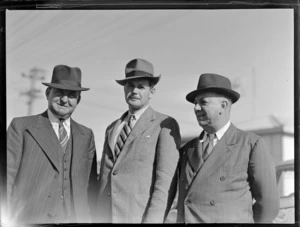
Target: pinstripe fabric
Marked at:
34, 170
63, 136
123, 135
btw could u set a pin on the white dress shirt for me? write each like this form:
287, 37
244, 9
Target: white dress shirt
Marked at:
136, 117
218, 134
55, 124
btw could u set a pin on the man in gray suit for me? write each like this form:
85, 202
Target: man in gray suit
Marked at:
140, 154
226, 175
51, 160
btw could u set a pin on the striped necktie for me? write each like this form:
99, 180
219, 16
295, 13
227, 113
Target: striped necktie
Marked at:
63, 136
207, 146
123, 135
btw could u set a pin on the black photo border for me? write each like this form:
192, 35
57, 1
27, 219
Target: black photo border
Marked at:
155, 5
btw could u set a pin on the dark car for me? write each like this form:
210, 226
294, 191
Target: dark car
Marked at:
287, 202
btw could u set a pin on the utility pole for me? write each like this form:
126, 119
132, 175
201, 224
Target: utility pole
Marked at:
34, 75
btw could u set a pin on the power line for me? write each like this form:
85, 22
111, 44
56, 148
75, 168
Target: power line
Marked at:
34, 75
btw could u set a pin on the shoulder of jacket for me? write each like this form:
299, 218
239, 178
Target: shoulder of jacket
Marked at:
247, 134
26, 120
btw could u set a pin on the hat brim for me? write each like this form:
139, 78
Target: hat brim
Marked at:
155, 79
233, 95
65, 87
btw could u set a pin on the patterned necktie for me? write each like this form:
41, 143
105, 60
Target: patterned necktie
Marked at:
208, 146
63, 136
123, 135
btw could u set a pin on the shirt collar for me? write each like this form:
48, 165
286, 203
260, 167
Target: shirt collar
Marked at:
222, 131
138, 113
218, 134
55, 120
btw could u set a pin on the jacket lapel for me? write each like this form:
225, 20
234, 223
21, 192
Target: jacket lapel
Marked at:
77, 134
194, 155
45, 136
219, 155
141, 125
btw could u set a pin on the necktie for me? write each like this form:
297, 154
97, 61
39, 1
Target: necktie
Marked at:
63, 136
123, 135
208, 146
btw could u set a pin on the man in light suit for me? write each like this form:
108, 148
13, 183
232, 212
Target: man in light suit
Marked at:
226, 175
51, 160
136, 171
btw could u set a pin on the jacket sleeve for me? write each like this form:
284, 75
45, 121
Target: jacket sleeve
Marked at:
14, 155
93, 187
263, 183
167, 153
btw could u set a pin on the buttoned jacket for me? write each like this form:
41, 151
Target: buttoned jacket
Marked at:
236, 184
33, 169
134, 187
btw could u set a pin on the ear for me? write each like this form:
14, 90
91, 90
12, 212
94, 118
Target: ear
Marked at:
224, 105
152, 92
79, 98
47, 92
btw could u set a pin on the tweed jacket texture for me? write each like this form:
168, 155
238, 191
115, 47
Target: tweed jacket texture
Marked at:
134, 188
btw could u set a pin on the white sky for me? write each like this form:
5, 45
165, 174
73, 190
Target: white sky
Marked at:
253, 48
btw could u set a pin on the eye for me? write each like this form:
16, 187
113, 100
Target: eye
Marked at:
140, 86
72, 95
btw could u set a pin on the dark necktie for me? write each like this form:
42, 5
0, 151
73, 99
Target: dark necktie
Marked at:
208, 146
123, 135
63, 136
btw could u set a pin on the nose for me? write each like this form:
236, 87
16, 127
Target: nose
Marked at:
134, 90
64, 98
197, 107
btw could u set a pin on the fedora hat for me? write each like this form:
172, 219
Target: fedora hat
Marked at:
139, 68
210, 82
67, 78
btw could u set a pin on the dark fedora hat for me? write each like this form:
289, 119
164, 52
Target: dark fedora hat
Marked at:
139, 68
67, 78
210, 82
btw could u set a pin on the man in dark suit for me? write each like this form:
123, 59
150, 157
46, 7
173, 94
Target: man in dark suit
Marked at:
140, 154
226, 175
51, 160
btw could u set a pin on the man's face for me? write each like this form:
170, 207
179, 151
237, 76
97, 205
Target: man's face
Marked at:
207, 108
138, 93
62, 103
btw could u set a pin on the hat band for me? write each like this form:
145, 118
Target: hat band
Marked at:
213, 86
67, 82
138, 73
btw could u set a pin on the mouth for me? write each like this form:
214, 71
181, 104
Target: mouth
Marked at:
134, 98
201, 116
62, 106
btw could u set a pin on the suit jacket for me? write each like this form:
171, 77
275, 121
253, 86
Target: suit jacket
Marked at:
33, 169
134, 187
239, 169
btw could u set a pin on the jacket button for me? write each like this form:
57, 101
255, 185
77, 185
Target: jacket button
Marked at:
115, 172
61, 197
187, 202
212, 202
50, 215
222, 178
108, 194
